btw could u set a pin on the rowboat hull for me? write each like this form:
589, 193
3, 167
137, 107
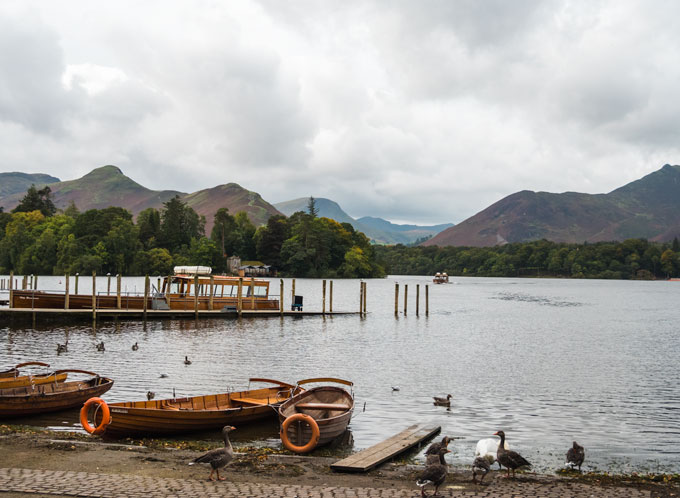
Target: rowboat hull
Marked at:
51, 397
332, 422
181, 415
27, 380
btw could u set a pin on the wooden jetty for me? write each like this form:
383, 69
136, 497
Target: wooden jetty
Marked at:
371, 457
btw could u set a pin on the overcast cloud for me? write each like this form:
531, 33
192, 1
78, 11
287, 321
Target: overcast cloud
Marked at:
415, 111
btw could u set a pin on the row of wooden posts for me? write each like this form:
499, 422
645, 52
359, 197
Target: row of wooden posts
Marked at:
396, 299
31, 282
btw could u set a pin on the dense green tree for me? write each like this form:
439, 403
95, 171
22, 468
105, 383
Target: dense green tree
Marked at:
269, 240
149, 225
37, 200
179, 224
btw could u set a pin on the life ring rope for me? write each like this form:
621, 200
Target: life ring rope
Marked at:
106, 415
302, 418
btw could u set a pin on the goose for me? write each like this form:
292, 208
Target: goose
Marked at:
135, 346
163, 376
487, 449
438, 401
150, 395
100, 346
62, 348
435, 472
220, 457
434, 448
508, 458
480, 466
575, 456
187, 361
395, 388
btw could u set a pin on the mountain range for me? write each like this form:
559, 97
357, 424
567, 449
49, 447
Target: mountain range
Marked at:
108, 186
647, 208
377, 229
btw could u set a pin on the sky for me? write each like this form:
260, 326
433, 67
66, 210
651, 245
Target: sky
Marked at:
422, 111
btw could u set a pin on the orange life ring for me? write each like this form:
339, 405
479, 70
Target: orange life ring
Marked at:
313, 441
106, 415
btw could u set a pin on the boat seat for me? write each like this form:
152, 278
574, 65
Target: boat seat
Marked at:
250, 401
321, 406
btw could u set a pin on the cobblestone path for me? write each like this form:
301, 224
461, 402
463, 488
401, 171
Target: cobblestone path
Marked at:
84, 484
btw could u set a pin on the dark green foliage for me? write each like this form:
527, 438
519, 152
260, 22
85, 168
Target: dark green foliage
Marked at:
149, 224
37, 200
270, 238
179, 224
630, 259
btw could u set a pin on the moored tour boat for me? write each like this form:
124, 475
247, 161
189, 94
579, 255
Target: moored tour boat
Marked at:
316, 416
178, 415
190, 288
441, 278
53, 396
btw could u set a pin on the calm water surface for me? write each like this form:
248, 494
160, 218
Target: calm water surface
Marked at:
548, 361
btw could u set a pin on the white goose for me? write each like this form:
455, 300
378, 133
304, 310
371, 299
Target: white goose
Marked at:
488, 448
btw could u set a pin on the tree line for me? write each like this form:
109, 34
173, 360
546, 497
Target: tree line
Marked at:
36, 238
629, 259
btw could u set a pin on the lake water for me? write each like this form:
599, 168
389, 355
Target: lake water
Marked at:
547, 361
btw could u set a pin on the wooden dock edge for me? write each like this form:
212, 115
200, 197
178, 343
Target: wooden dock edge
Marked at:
377, 454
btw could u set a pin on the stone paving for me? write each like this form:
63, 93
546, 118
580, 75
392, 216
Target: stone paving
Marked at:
85, 484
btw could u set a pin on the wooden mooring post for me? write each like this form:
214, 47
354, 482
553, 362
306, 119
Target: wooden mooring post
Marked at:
396, 298
108, 284
281, 298
330, 303
35, 282
239, 302
427, 299
11, 288
118, 286
145, 306
292, 300
361, 298
252, 293
212, 291
94, 296
417, 299
405, 298
77, 275
365, 294
66, 296
196, 295
323, 297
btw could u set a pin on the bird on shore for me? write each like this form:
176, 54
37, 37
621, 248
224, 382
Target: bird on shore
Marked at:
509, 459
135, 346
220, 457
434, 448
150, 395
482, 466
187, 361
62, 348
439, 401
434, 473
487, 449
575, 456
100, 346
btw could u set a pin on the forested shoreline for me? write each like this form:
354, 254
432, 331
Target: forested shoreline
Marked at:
37, 239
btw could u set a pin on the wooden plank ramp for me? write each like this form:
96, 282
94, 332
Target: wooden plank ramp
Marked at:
371, 457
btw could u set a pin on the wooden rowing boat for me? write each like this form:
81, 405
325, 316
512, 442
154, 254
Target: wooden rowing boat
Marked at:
330, 407
14, 377
51, 397
178, 415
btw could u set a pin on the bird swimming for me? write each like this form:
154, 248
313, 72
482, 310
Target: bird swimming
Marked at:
135, 346
575, 456
509, 459
62, 348
439, 401
187, 361
100, 346
150, 395
220, 457
435, 472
